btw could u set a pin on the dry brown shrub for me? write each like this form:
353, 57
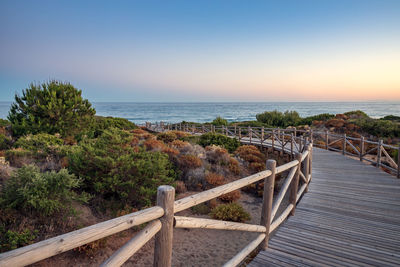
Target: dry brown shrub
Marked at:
212, 203
170, 151
217, 155
337, 123
134, 141
189, 161
234, 166
153, 144
70, 140
252, 156
341, 117
215, 179
180, 134
231, 197
180, 187
178, 144
139, 131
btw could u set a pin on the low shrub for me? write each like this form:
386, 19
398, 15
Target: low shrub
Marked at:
218, 121
356, 114
39, 143
5, 142
112, 169
4, 123
167, 137
253, 156
234, 166
180, 187
230, 212
215, 179
228, 143
337, 123
10, 240
391, 118
19, 157
29, 190
379, 128
278, 119
320, 117
201, 209
153, 145
180, 134
231, 197
179, 144
217, 155
99, 124
189, 161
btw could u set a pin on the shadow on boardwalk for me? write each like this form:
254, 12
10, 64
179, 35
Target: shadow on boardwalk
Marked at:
349, 217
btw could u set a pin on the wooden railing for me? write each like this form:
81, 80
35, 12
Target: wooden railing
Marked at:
161, 219
376, 152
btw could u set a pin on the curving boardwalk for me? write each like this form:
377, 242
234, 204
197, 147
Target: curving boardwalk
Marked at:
349, 217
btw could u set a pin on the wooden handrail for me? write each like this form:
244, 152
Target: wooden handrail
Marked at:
162, 215
189, 222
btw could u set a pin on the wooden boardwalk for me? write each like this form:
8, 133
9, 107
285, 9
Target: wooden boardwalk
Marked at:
349, 217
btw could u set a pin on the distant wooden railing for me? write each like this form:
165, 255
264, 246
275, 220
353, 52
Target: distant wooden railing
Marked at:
161, 219
376, 152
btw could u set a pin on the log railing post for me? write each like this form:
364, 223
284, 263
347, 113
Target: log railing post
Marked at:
306, 166
295, 131
163, 240
310, 160
240, 133
235, 130
291, 145
262, 135
295, 185
361, 148
344, 144
311, 136
273, 140
283, 142
202, 128
326, 140
250, 133
267, 201
398, 162
379, 154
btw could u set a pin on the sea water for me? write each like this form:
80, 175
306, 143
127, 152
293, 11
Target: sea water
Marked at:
232, 111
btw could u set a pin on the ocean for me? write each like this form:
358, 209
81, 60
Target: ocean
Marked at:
240, 111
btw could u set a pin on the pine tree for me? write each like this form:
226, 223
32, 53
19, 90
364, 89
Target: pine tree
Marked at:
51, 107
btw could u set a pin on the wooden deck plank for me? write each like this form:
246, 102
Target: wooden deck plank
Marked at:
350, 217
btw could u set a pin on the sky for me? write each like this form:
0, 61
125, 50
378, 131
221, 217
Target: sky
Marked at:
193, 51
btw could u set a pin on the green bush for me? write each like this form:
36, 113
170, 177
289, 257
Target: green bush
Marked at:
11, 239
228, 143
218, 121
230, 212
39, 143
391, 118
320, 117
167, 137
29, 190
4, 123
99, 124
356, 114
201, 209
379, 128
278, 119
111, 168
52, 107
5, 142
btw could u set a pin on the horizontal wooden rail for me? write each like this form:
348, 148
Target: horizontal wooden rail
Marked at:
193, 200
56, 245
246, 251
130, 248
188, 222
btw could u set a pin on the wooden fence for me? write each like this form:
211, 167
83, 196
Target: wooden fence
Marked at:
376, 152
161, 219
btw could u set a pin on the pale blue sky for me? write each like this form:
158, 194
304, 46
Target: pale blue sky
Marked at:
204, 50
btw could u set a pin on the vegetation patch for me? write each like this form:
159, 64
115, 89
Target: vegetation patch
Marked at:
230, 212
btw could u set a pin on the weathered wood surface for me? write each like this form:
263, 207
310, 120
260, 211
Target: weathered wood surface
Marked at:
349, 217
